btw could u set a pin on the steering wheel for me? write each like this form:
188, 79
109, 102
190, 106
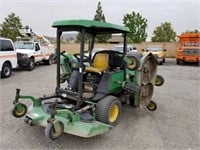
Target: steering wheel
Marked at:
85, 58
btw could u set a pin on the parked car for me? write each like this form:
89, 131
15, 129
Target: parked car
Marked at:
8, 57
119, 48
157, 51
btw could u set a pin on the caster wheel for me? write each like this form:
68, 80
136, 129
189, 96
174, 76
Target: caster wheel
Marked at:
159, 80
152, 106
52, 133
19, 110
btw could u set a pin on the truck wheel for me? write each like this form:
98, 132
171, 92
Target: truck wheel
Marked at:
6, 70
159, 80
53, 58
108, 110
48, 61
163, 60
51, 133
161, 63
182, 62
31, 65
178, 62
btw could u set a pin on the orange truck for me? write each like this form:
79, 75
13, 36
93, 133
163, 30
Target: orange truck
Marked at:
189, 48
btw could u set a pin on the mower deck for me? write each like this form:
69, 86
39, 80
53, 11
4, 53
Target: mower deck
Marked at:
75, 127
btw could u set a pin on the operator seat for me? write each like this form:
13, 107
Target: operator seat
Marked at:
99, 63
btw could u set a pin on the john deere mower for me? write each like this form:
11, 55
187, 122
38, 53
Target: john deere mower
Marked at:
90, 90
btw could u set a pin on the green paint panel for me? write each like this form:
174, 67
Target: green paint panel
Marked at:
83, 129
116, 80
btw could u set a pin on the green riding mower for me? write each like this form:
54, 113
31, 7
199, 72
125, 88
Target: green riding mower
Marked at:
90, 90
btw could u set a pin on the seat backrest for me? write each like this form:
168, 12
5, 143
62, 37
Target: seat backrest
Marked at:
100, 61
116, 61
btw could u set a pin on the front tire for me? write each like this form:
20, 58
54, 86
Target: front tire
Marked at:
108, 110
6, 70
48, 61
31, 65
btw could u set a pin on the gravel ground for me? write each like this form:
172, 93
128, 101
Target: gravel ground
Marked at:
175, 124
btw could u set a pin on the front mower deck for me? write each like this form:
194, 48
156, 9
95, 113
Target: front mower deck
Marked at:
72, 126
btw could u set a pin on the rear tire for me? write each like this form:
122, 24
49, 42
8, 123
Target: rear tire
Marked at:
48, 61
164, 60
108, 110
182, 62
6, 70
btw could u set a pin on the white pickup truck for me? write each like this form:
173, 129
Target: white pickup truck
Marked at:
8, 57
29, 53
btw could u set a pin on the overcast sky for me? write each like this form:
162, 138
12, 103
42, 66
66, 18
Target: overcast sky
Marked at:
40, 14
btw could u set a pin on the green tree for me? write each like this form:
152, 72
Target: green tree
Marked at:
78, 37
164, 33
99, 16
11, 26
137, 25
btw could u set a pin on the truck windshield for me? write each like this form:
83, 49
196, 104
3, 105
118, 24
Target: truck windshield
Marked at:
24, 45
